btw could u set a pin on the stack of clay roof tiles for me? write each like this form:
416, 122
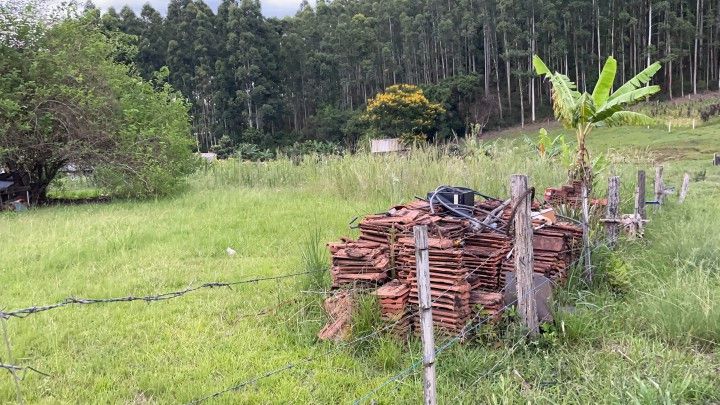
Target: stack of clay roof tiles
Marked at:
555, 247
361, 261
466, 262
565, 194
393, 299
449, 288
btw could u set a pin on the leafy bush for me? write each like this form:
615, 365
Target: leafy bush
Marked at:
252, 152
403, 109
65, 100
225, 147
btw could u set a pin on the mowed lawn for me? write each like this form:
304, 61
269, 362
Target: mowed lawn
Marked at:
656, 342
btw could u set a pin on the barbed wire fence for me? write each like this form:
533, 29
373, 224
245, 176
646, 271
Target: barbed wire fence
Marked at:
22, 313
25, 312
15, 369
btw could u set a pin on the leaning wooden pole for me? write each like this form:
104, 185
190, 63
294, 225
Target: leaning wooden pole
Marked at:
612, 229
524, 252
422, 261
659, 185
684, 188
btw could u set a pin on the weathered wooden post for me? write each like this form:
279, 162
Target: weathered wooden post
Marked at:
716, 159
613, 211
524, 252
422, 261
640, 195
639, 213
587, 273
684, 188
659, 185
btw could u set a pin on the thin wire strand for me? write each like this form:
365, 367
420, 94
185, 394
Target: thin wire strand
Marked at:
25, 312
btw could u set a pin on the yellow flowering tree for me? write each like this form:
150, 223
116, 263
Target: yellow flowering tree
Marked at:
403, 111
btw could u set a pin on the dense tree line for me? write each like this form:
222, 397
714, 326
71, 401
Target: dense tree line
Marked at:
271, 81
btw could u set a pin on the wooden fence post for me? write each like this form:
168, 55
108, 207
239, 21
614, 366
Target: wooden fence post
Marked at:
422, 261
524, 252
716, 159
588, 273
659, 185
640, 195
613, 210
684, 188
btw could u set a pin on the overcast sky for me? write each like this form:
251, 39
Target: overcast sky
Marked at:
271, 8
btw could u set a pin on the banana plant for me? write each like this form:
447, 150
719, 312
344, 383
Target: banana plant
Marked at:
603, 108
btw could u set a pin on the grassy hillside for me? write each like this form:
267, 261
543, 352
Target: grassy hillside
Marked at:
648, 333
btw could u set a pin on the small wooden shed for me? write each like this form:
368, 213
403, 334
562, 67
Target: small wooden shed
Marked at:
386, 145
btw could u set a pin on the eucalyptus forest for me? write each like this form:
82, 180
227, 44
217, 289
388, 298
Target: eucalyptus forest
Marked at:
272, 81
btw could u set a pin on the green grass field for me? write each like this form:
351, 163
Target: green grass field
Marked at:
656, 341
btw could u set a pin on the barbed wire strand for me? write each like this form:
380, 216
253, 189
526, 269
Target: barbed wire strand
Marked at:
290, 365
311, 358
16, 368
25, 312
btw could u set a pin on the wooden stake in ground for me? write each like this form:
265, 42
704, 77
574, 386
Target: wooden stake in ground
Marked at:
524, 252
422, 261
684, 188
716, 159
659, 185
640, 195
587, 273
613, 210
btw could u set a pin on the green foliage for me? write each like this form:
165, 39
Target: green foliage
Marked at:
225, 147
64, 99
549, 147
604, 108
312, 147
315, 261
366, 317
402, 109
613, 271
252, 152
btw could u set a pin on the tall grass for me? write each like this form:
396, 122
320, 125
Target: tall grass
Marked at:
392, 178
